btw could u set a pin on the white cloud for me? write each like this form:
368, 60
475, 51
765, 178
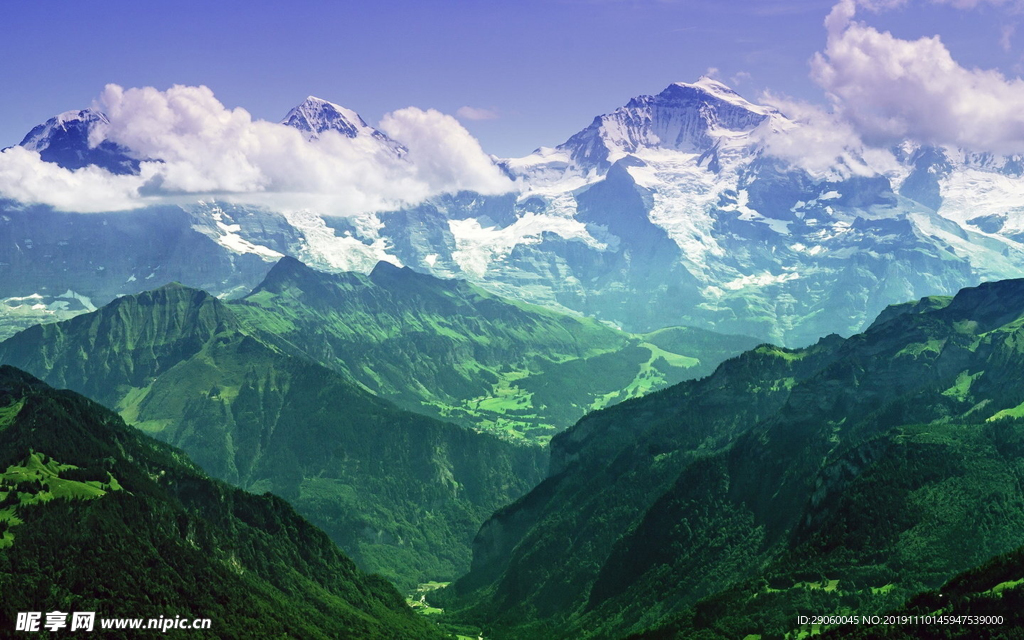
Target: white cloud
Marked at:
891, 89
820, 142
195, 146
443, 153
202, 145
477, 113
740, 78
27, 179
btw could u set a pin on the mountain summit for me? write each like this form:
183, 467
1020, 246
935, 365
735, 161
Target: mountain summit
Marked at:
72, 122
693, 118
315, 116
64, 140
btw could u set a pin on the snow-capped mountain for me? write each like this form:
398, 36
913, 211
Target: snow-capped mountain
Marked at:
668, 210
51, 261
705, 117
64, 140
691, 118
69, 123
315, 116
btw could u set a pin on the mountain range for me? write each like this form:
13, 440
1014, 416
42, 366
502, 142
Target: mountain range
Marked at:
454, 351
400, 492
290, 388
675, 209
844, 477
838, 478
667, 385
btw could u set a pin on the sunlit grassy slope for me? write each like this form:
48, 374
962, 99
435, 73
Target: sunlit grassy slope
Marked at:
451, 350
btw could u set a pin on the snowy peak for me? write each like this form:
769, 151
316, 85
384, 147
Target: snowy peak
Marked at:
69, 123
694, 118
64, 140
717, 95
315, 116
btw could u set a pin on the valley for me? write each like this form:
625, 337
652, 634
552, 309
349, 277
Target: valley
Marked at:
836, 478
829, 478
668, 211
290, 390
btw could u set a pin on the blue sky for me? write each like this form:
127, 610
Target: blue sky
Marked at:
544, 69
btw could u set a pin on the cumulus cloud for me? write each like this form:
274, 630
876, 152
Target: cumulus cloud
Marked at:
477, 113
202, 145
192, 145
892, 89
443, 153
820, 141
29, 180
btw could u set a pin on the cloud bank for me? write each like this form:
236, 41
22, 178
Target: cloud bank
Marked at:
890, 89
821, 142
193, 146
29, 180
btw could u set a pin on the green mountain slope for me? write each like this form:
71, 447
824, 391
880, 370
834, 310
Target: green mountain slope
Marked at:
403, 494
453, 351
986, 601
95, 516
841, 477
